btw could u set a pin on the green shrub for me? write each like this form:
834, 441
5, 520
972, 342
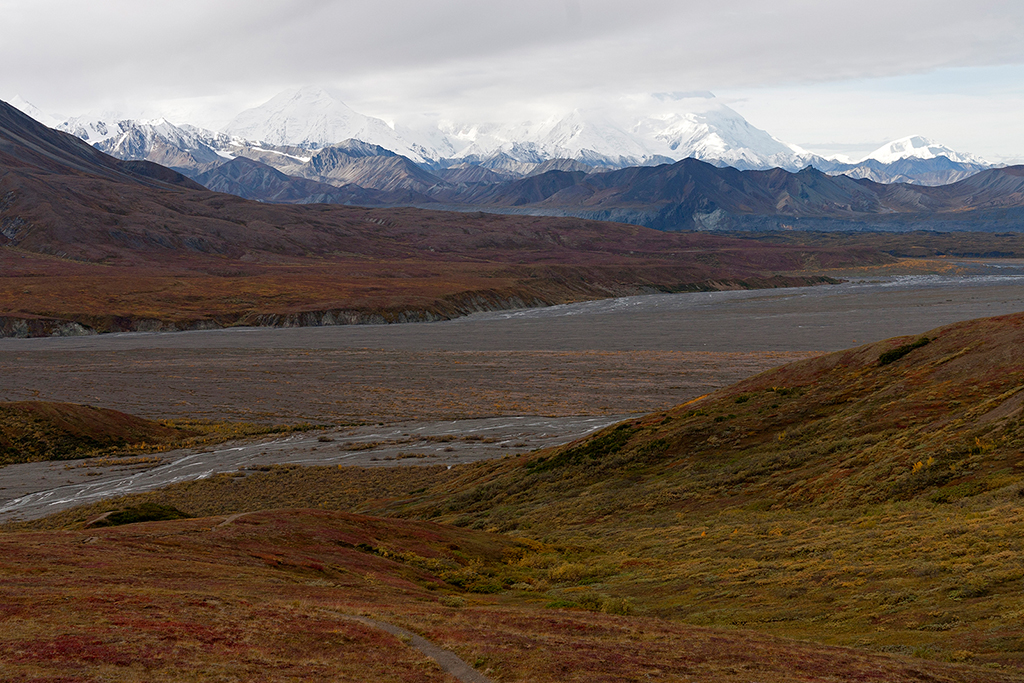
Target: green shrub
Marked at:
592, 449
144, 512
893, 355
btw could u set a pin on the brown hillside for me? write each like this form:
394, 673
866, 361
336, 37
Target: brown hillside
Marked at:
836, 430
36, 430
844, 499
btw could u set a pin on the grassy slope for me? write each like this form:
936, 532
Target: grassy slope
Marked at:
456, 265
941, 423
834, 499
263, 597
38, 430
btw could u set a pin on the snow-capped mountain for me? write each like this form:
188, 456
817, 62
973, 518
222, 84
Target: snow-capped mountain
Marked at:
655, 129
919, 147
915, 160
697, 125
185, 148
640, 130
584, 135
314, 117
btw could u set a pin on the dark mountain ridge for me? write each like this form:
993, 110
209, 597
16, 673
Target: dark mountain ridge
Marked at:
29, 145
694, 195
685, 195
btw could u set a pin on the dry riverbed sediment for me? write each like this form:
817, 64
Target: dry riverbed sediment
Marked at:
33, 490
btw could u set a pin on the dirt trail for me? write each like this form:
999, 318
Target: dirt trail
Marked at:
449, 661
231, 518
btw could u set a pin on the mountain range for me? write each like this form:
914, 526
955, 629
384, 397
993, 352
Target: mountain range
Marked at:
685, 195
644, 130
91, 242
520, 177
694, 195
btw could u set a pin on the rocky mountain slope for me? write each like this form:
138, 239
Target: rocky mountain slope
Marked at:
251, 179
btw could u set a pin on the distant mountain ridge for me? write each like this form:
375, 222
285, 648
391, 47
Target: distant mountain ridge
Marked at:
694, 195
630, 182
685, 195
643, 131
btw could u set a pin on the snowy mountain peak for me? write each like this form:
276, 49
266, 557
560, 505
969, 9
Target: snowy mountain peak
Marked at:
920, 147
314, 117
698, 125
593, 132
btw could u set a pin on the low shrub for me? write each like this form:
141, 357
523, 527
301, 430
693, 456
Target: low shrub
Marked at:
893, 355
144, 512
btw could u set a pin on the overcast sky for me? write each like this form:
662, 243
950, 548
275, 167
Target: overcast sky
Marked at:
829, 75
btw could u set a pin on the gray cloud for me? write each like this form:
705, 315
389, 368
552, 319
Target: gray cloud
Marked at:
398, 56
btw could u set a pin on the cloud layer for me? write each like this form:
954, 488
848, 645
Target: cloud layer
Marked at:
482, 59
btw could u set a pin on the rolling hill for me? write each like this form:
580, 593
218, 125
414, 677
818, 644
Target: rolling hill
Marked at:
37, 430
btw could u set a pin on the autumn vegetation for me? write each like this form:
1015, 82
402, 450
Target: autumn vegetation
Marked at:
268, 596
839, 501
